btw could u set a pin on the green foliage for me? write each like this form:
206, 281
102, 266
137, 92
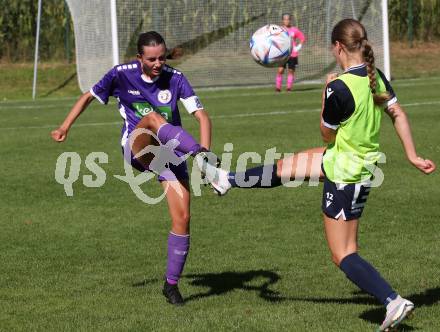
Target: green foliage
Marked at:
18, 22
426, 21
18, 27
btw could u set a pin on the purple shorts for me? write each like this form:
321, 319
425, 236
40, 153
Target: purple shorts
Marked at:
171, 173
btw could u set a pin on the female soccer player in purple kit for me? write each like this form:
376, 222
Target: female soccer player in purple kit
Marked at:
147, 91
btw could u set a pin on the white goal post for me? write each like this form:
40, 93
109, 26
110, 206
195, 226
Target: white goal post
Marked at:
386, 40
209, 39
114, 24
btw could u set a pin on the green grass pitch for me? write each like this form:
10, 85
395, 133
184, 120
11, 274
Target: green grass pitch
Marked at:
258, 259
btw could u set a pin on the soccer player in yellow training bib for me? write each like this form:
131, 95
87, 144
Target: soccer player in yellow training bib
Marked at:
353, 103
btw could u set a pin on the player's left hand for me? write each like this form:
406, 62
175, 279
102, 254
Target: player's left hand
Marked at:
424, 165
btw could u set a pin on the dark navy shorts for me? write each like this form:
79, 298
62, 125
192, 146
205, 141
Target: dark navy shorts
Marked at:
346, 200
291, 63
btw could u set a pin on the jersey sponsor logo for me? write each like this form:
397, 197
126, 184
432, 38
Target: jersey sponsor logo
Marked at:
143, 109
329, 92
166, 112
328, 203
134, 92
164, 96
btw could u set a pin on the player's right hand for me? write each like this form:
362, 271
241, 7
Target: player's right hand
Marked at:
59, 135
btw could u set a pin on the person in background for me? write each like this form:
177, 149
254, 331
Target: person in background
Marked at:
298, 40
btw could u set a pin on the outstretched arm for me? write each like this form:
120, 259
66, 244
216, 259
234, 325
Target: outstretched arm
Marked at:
60, 134
403, 130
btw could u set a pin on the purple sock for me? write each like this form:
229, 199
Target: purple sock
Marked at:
187, 143
178, 247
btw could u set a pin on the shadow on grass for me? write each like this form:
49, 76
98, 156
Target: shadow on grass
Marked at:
261, 280
375, 316
428, 298
225, 282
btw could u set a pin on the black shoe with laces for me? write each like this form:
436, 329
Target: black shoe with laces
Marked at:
172, 294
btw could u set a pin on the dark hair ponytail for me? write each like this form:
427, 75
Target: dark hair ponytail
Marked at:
352, 34
150, 38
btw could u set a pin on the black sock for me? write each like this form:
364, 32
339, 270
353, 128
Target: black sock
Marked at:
264, 176
365, 276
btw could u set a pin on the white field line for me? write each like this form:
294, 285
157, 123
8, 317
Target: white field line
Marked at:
401, 81
226, 116
418, 79
18, 101
436, 102
68, 101
30, 107
404, 83
68, 105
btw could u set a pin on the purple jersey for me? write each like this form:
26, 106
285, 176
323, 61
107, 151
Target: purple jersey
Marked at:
138, 96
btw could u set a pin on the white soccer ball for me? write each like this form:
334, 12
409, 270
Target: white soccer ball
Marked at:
271, 45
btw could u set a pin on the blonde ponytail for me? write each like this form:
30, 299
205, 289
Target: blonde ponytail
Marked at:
368, 54
353, 36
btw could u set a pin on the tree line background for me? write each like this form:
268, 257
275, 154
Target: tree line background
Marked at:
18, 27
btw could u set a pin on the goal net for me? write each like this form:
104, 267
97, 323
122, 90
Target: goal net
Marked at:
208, 40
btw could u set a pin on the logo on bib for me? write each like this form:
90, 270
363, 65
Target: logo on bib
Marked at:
329, 92
164, 96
